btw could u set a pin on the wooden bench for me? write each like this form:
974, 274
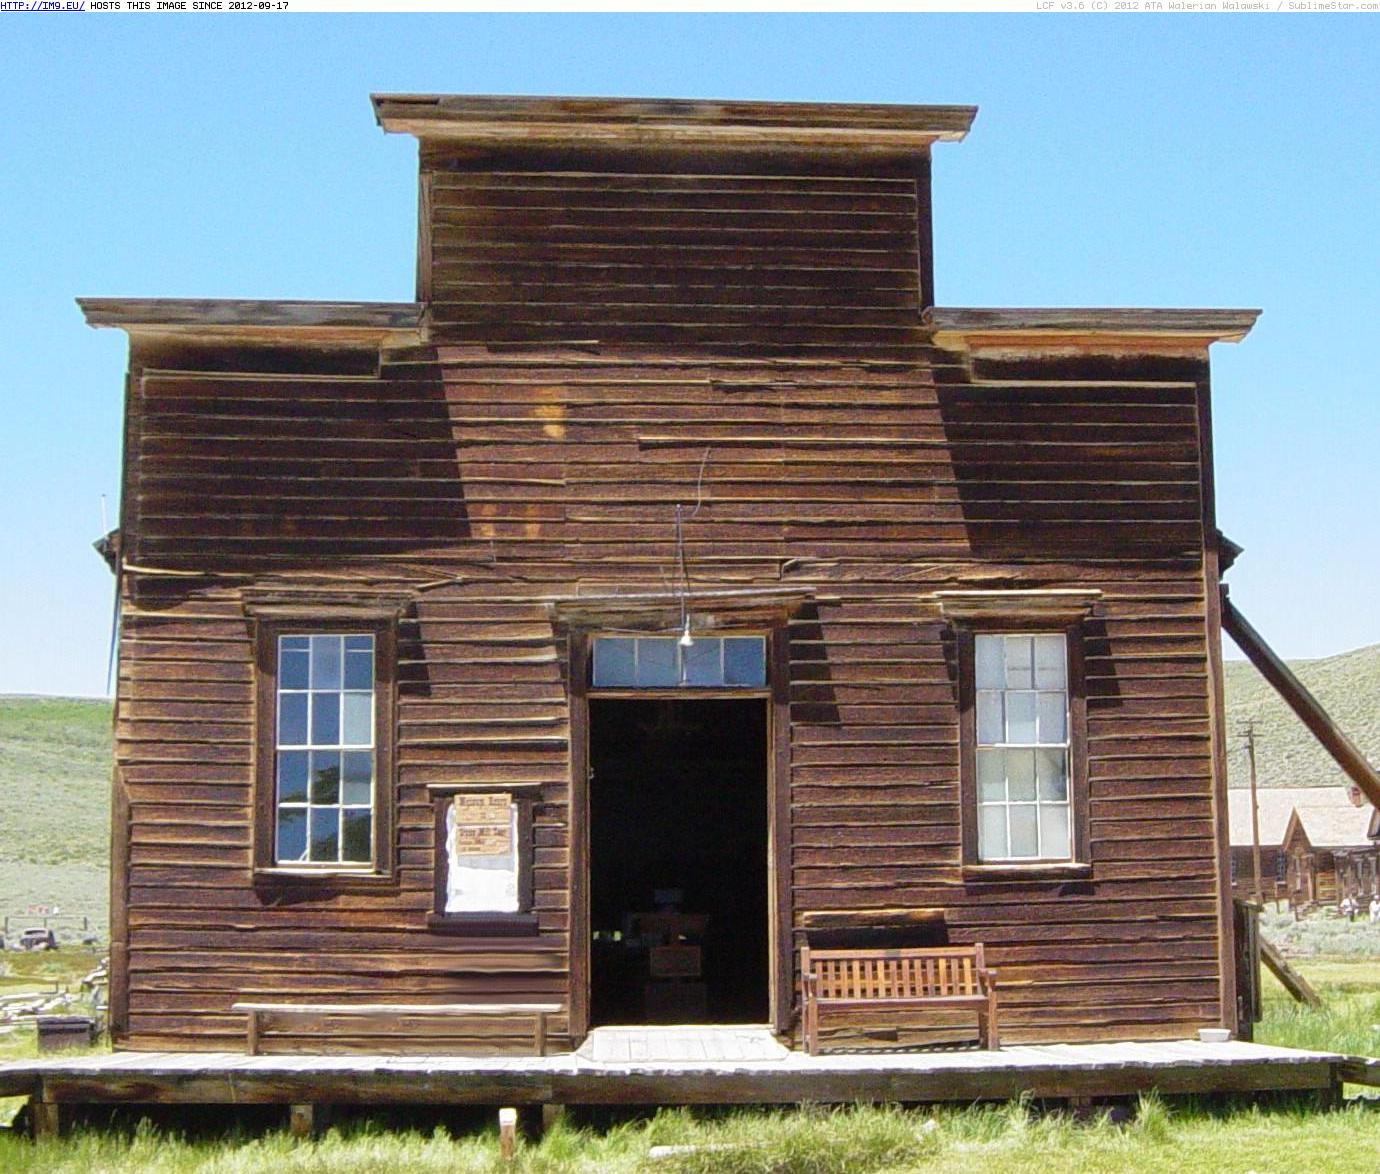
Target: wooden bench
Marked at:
897, 980
386, 1011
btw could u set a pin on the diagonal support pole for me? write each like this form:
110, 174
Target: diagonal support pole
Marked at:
1301, 701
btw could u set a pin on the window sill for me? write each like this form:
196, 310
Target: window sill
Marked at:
1040, 871
332, 880
484, 925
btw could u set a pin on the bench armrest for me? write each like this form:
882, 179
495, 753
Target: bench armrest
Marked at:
988, 975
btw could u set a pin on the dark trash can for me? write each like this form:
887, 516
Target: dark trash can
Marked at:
56, 1032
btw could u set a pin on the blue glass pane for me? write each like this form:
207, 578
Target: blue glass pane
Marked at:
359, 662
359, 719
292, 719
357, 777
657, 663
613, 661
325, 719
292, 776
292, 835
745, 661
325, 833
325, 776
325, 662
703, 662
295, 643
292, 669
358, 846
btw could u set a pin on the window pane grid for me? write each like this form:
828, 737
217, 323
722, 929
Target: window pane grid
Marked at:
1023, 801
662, 662
325, 750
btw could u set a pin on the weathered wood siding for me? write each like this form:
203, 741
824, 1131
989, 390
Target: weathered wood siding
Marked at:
762, 257
488, 483
605, 342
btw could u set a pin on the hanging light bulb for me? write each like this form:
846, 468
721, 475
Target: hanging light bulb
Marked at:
686, 640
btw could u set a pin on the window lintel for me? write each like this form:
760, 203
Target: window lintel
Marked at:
1066, 605
300, 605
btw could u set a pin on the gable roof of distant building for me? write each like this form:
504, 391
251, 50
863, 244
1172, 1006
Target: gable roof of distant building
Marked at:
1328, 816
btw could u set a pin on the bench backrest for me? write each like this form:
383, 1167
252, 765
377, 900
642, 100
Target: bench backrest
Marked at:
949, 972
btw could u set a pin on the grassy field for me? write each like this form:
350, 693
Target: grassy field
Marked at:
1349, 1019
1008, 1140
1287, 755
55, 776
1324, 933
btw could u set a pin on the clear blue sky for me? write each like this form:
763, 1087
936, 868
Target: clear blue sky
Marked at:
1196, 161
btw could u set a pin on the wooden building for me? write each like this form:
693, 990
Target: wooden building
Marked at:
1274, 806
1330, 856
673, 575
1316, 844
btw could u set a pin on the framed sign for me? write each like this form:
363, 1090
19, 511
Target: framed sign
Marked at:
482, 826
484, 863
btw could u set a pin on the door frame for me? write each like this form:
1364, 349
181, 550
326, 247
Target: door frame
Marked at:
776, 697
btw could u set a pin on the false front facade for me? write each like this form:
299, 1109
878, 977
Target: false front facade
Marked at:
670, 586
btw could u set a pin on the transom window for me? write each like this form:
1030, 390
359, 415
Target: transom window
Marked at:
326, 759
1023, 744
663, 662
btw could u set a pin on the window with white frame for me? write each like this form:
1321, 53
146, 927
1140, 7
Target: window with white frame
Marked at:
325, 753
1023, 747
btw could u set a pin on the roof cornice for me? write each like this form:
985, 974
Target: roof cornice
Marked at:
255, 320
1053, 328
487, 121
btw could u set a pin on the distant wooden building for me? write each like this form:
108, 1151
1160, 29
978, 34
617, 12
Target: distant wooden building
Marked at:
1274, 807
1330, 855
1316, 845
673, 575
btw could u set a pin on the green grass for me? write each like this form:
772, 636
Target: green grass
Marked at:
55, 776
1004, 1140
1287, 755
1349, 1019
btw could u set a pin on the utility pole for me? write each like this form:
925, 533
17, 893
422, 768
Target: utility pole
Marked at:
1255, 814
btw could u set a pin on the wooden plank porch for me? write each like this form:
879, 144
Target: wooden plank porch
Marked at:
589, 1077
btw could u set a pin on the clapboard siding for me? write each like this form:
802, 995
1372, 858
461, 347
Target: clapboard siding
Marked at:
607, 333
778, 262
486, 484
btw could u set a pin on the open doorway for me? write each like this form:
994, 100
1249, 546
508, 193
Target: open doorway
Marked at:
678, 830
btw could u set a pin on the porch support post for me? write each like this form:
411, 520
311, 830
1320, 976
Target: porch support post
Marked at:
45, 1118
302, 1120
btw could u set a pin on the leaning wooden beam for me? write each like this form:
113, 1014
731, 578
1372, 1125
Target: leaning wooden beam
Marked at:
1289, 978
1301, 701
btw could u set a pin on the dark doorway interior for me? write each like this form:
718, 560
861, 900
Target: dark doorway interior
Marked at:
678, 856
